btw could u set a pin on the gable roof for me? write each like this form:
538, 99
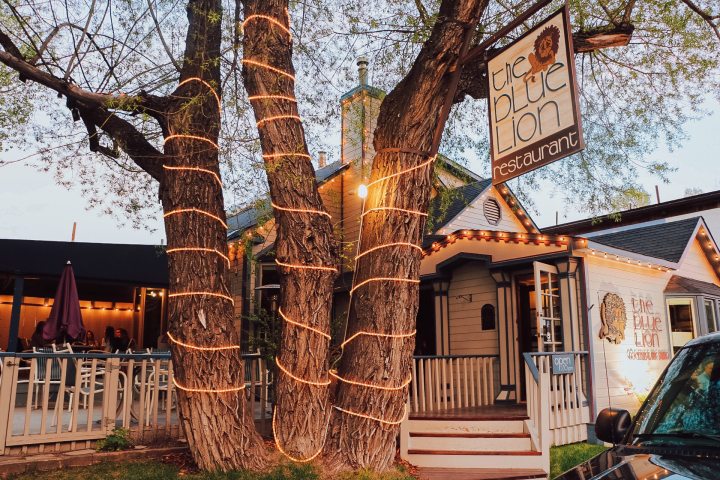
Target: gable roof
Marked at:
684, 285
658, 211
461, 198
248, 217
666, 241
107, 262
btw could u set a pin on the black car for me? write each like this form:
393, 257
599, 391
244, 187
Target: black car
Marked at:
676, 433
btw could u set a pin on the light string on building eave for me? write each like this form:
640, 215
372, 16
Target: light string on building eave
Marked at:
290, 210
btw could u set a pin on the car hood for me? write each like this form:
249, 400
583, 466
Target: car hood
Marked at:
627, 464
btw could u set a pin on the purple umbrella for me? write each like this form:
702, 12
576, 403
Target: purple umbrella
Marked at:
65, 319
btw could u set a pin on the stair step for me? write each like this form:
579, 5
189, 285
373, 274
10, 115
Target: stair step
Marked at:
474, 452
467, 417
471, 434
470, 442
498, 460
465, 426
431, 473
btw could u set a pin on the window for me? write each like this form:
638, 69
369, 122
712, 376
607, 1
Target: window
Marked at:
487, 317
491, 210
711, 315
682, 321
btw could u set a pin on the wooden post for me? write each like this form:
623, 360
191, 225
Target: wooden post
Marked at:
15, 313
544, 413
110, 394
6, 400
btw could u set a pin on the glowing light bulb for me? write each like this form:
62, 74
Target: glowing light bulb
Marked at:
362, 191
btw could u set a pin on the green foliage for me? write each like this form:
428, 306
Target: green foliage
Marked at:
119, 439
566, 457
266, 337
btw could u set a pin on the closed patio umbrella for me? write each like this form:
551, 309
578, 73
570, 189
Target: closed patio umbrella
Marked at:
65, 319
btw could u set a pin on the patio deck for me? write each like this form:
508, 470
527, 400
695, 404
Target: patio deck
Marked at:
497, 411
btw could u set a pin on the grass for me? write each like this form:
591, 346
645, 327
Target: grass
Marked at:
566, 457
160, 471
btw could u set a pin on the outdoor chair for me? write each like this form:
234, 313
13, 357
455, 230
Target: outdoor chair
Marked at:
161, 371
41, 374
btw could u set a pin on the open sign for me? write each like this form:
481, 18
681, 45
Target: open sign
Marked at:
563, 363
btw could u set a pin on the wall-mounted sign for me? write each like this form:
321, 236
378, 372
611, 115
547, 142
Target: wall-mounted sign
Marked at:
533, 100
563, 363
613, 317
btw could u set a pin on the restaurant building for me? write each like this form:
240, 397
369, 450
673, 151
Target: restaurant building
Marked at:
123, 286
520, 330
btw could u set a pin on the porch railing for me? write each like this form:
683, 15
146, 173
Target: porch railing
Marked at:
556, 402
453, 381
49, 399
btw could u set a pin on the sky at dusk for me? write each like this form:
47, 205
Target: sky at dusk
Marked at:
32, 206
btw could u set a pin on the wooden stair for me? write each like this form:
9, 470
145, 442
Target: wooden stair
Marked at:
469, 447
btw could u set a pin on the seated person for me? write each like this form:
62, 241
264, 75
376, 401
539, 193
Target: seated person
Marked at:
37, 340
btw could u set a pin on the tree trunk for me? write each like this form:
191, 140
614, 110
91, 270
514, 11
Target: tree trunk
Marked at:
305, 247
212, 403
366, 419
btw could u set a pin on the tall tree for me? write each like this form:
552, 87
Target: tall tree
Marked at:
208, 367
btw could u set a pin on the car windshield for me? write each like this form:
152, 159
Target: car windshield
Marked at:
683, 406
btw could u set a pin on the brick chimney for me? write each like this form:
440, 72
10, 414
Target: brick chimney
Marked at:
322, 159
360, 108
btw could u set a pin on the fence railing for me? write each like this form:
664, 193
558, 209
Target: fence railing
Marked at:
556, 400
452, 381
49, 399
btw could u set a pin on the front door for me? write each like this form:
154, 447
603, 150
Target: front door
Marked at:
548, 309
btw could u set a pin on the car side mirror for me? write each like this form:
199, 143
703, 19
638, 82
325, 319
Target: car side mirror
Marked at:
612, 424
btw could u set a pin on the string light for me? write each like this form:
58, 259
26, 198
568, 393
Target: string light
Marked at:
416, 167
272, 97
298, 379
396, 244
191, 137
300, 210
212, 90
370, 385
197, 169
209, 294
396, 209
370, 417
207, 390
278, 117
196, 210
383, 279
200, 249
199, 348
302, 325
308, 267
374, 334
271, 156
269, 67
281, 450
269, 19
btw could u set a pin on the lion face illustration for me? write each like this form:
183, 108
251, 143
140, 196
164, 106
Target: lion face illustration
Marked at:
546, 47
613, 317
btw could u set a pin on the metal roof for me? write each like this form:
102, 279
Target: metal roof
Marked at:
106, 262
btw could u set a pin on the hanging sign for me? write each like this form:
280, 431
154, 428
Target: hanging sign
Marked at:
533, 100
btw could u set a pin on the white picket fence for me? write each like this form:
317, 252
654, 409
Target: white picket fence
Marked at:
65, 401
453, 381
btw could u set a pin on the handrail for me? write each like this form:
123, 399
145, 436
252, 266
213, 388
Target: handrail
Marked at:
527, 356
105, 356
442, 357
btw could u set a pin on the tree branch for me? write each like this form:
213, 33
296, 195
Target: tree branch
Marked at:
137, 103
708, 18
472, 79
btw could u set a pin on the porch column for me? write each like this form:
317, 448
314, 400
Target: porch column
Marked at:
507, 335
571, 318
442, 316
15, 314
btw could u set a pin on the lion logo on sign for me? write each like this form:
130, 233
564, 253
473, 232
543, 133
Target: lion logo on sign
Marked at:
546, 47
613, 318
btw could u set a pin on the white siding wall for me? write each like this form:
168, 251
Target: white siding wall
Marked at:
696, 265
473, 218
625, 375
466, 334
